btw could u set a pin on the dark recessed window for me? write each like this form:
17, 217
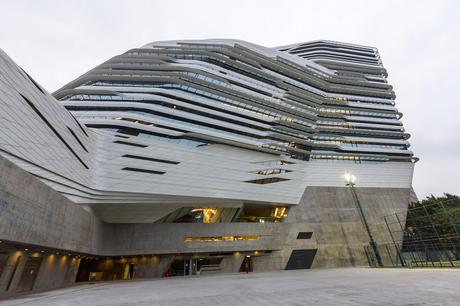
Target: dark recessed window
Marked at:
143, 170
79, 125
53, 130
121, 136
271, 171
151, 159
267, 180
304, 235
130, 144
77, 139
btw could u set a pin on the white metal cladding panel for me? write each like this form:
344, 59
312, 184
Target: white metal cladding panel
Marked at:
27, 136
212, 171
147, 106
239, 90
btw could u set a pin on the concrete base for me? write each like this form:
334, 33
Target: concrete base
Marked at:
331, 214
55, 230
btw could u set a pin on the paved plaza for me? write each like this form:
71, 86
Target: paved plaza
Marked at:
361, 286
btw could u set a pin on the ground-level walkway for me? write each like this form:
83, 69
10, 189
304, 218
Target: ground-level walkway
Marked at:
360, 286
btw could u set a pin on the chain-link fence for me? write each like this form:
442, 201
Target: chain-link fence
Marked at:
424, 236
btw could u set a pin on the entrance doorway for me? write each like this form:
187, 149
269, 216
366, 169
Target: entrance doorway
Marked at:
192, 266
182, 267
246, 265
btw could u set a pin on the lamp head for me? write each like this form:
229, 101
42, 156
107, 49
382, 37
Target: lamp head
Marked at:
350, 179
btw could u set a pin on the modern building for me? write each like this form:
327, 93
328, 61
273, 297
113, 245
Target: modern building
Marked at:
196, 157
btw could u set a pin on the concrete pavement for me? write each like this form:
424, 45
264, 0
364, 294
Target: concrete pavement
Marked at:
350, 286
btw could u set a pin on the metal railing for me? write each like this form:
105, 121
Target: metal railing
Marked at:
424, 236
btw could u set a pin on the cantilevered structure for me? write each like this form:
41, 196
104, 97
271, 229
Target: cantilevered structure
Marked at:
185, 157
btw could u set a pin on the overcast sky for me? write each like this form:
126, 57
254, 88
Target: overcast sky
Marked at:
419, 42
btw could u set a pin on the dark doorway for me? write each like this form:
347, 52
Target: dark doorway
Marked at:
84, 269
246, 265
192, 266
100, 270
181, 267
131, 269
208, 263
118, 271
301, 259
29, 274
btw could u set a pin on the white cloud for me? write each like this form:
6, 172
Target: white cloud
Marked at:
56, 41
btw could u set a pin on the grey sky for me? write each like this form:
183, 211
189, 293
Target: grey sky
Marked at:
419, 41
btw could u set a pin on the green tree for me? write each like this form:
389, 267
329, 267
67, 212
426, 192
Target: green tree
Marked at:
434, 223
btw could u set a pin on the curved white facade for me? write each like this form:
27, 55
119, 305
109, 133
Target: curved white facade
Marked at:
238, 93
213, 123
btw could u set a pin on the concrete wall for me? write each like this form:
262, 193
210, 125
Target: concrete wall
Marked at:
55, 271
31, 213
331, 214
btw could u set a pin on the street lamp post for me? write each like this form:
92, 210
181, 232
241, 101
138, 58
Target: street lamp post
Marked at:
350, 180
